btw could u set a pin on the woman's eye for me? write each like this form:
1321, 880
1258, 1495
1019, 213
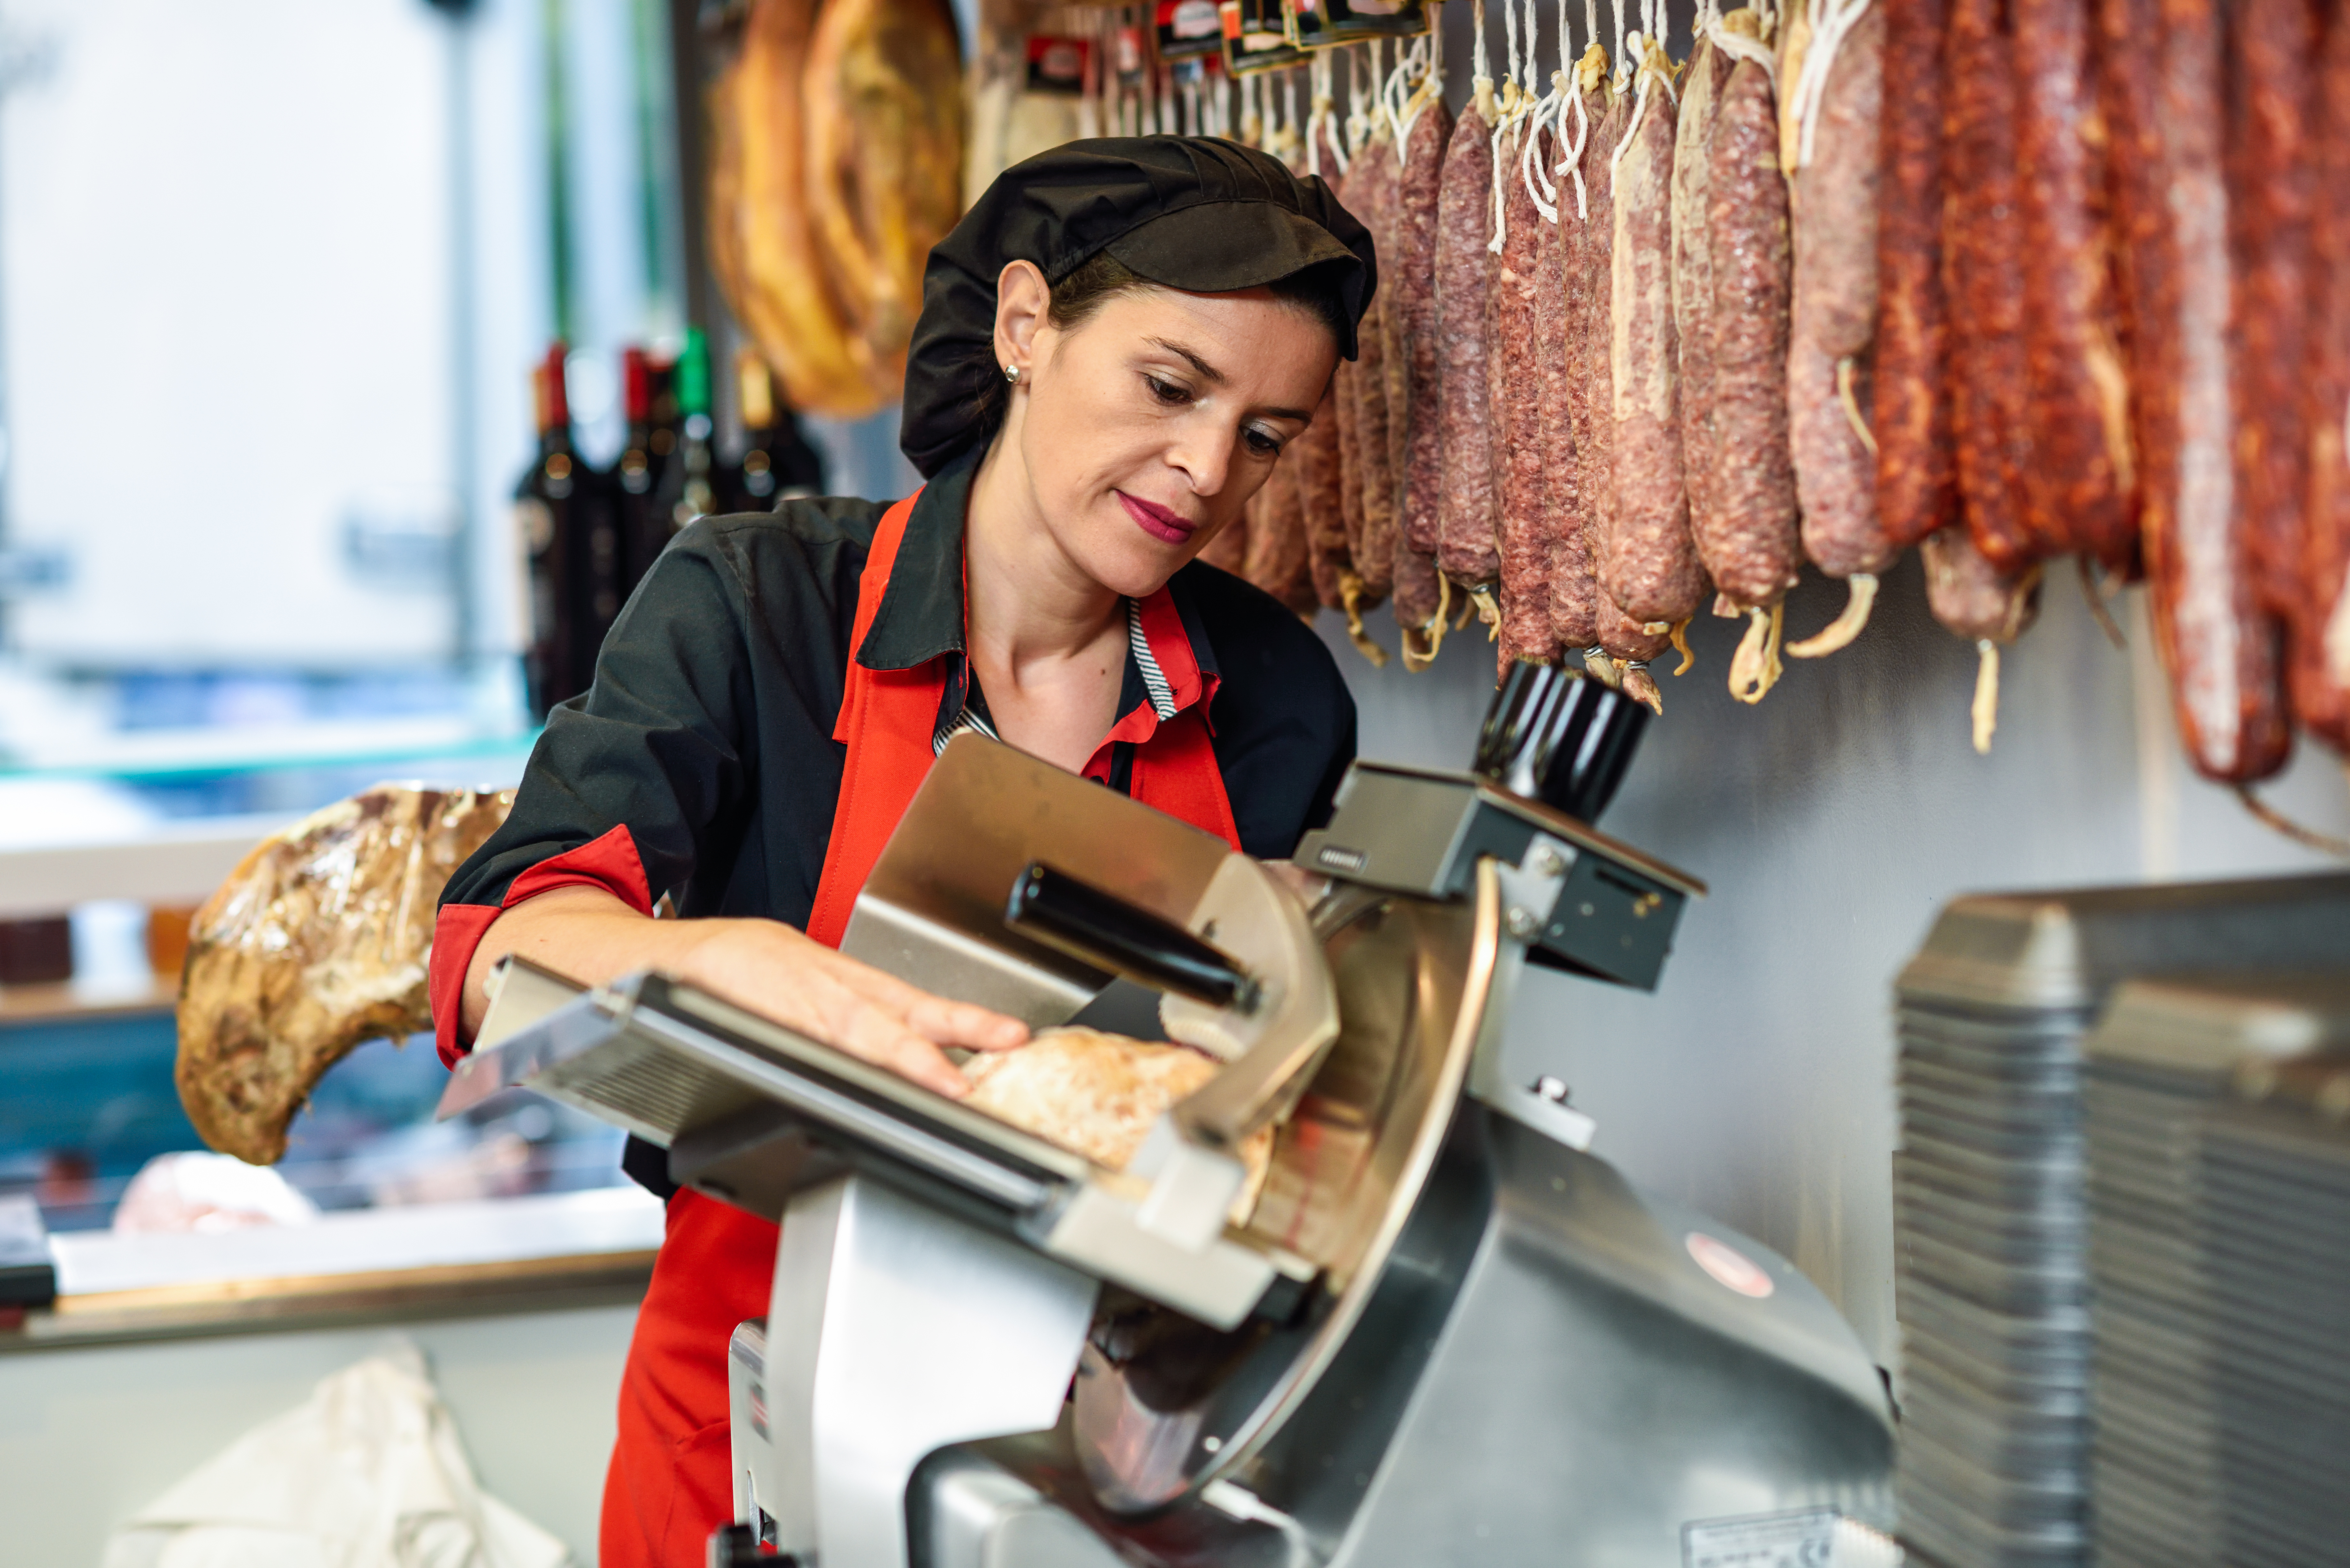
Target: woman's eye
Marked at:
1168, 391
1262, 444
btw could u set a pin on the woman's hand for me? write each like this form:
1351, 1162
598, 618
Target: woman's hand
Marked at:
760, 966
767, 968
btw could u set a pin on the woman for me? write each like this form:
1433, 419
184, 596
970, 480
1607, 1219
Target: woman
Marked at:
1115, 345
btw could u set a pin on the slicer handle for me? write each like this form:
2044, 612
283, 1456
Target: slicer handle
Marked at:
1105, 930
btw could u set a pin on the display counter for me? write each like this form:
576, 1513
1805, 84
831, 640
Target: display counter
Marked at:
162, 1349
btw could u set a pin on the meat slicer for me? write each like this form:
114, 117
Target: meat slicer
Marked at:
1444, 1333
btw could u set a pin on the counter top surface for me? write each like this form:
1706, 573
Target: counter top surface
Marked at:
429, 1259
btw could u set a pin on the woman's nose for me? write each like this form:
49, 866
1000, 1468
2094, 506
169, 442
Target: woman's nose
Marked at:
1205, 456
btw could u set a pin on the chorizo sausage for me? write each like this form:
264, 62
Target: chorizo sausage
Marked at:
1974, 599
1917, 489
2078, 489
1983, 280
1316, 453
1701, 84
1466, 503
1415, 226
1277, 559
1749, 544
1515, 291
1834, 308
1647, 563
2270, 100
1370, 185
2320, 628
2163, 82
1229, 549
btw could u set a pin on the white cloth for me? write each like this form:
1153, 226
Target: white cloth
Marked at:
367, 1473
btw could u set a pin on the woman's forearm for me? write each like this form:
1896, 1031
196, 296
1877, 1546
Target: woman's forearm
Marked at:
761, 966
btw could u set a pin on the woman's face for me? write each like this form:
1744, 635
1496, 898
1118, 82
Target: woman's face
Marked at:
1149, 424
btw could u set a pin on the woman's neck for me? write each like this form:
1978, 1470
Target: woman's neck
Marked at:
1028, 601
1046, 640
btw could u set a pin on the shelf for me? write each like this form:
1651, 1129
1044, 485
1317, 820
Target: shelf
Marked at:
465, 1259
65, 1002
158, 756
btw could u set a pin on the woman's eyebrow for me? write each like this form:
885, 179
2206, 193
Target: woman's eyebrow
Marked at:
1209, 373
1206, 371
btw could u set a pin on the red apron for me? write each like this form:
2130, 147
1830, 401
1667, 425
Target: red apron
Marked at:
670, 1482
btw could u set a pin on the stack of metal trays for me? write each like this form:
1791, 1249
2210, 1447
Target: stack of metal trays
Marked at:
2276, 1186
1991, 1217
2162, 1059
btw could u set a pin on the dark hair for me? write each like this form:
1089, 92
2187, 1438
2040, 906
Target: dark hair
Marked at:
1103, 277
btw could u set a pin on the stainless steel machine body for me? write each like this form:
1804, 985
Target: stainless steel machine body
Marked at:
1444, 1333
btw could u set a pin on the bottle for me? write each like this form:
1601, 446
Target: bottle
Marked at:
688, 489
544, 531
777, 465
636, 476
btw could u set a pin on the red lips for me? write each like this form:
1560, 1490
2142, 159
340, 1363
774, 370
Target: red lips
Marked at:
1166, 527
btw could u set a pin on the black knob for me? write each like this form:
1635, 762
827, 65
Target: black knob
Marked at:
1554, 735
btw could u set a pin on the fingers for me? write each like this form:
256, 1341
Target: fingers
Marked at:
935, 1018
962, 1023
862, 1029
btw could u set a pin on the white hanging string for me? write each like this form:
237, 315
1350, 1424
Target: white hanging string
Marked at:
1738, 46
1481, 70
1296, 126
1831, 21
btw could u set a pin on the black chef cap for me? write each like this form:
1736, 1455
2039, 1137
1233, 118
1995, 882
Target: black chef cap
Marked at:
1192, 213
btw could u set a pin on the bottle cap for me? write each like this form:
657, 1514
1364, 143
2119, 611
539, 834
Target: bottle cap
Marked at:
694, 374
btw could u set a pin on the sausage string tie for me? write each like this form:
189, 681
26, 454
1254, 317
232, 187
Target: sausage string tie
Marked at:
1432, 634
1837, 635
2337, 637
2270, 817
1754, 668
1681, 647
2095, 588
1985, 709
1831, 20
1603, 669
1350, 594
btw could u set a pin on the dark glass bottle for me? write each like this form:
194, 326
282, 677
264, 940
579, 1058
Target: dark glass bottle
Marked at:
545, 530
777, 464
689, 488
636, 476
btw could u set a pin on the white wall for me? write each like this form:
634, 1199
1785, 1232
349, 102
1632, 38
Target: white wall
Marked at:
88, 1436
1832, 821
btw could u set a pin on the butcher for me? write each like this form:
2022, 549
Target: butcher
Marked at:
1117, 343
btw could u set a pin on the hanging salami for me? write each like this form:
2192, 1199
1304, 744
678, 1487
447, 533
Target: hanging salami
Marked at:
1647, 561
1749, 542
1831, 342
1578, 411
1466, 509
2162, 63
1917, 484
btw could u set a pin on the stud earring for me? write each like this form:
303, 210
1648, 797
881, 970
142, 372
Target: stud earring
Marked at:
1012, 374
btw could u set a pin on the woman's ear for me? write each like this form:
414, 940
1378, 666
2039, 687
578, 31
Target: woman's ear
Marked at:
1022, 300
